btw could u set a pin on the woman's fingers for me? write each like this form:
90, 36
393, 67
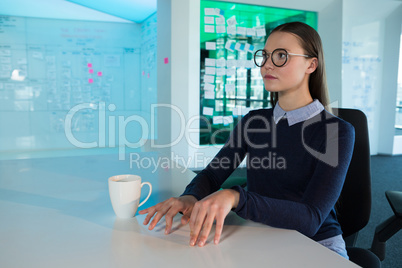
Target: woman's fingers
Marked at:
151, 212
214, 207
169, 219
168, 208
185, 219
220, 218
159, 214
196, 221
206, 229
201, 215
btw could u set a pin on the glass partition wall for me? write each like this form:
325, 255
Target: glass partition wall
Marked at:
231, 84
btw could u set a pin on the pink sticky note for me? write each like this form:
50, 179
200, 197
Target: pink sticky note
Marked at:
143, 73
89, 65
99, 73
91, 71
166, 60
148, 75
90, 80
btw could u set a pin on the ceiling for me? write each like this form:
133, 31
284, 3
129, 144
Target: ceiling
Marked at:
132, 10
99, 10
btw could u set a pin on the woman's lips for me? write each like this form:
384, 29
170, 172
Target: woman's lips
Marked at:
270, 77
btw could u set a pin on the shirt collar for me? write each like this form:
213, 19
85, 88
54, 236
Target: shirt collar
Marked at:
298, 115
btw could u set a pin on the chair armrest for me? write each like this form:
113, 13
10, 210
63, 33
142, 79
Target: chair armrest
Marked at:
395, 200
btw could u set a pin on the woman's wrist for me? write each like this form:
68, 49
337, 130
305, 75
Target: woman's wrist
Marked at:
235, 195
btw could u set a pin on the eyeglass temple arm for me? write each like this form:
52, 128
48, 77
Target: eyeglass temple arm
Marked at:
293, 54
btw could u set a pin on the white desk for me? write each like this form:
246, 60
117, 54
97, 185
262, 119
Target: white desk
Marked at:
56, 212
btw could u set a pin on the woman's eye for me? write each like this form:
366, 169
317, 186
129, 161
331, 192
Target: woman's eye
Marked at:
281, 55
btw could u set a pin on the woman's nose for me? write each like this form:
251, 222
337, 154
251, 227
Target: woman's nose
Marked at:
268, 64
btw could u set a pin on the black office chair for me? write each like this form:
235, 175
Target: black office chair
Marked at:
354, 204
389, 227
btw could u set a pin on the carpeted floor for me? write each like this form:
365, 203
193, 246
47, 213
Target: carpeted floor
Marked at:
386, 173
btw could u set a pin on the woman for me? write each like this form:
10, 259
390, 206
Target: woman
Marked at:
298, 153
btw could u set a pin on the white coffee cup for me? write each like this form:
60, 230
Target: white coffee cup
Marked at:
125, 193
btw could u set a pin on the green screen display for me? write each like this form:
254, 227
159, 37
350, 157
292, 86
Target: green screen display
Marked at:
231, 84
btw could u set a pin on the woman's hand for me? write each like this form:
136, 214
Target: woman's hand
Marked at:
213, 207
169, 208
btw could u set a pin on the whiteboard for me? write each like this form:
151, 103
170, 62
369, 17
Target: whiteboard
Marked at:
49, 66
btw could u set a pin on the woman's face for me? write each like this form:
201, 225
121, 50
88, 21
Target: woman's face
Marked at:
294, 74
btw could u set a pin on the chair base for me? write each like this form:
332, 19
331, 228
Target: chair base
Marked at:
363, 257
383, 232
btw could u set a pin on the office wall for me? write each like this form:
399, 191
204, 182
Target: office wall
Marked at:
393, 27
88, 73
184, 68
352, 33
370, 65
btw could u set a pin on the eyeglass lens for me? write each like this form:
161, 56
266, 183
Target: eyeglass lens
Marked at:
279, 57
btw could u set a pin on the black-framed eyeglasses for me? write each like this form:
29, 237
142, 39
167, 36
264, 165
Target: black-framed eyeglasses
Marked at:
279, 57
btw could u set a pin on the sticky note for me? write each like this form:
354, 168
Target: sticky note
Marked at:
228, 119
219, 12
143, 73
217, 120
221, 62
210, 62
99, 73
241, 63
236, 111
231, 63
209, 95
221, 29
90, 80
231, 30
208, 111
249, 48
230, 87
250, 32
220, 71
148, 75
220, 20
250, 64
232, 21
209, 20
245, 110
166, 60
230, 71
209, 29
210, 70
210, 45
91, 71
237, 46
209, 78
241, 30
209, 87
261, 31
89, 65
209, 11
230, 45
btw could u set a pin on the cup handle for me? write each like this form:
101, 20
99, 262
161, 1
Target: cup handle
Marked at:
149, 194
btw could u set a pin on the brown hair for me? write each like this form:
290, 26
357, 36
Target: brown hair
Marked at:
310, 41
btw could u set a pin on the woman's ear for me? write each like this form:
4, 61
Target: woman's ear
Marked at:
313, 66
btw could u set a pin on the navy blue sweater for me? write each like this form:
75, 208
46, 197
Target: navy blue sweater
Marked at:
294, 173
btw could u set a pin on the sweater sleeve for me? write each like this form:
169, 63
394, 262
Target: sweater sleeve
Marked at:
319, 198
222, 165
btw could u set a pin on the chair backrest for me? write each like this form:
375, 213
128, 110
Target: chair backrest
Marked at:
354, 204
